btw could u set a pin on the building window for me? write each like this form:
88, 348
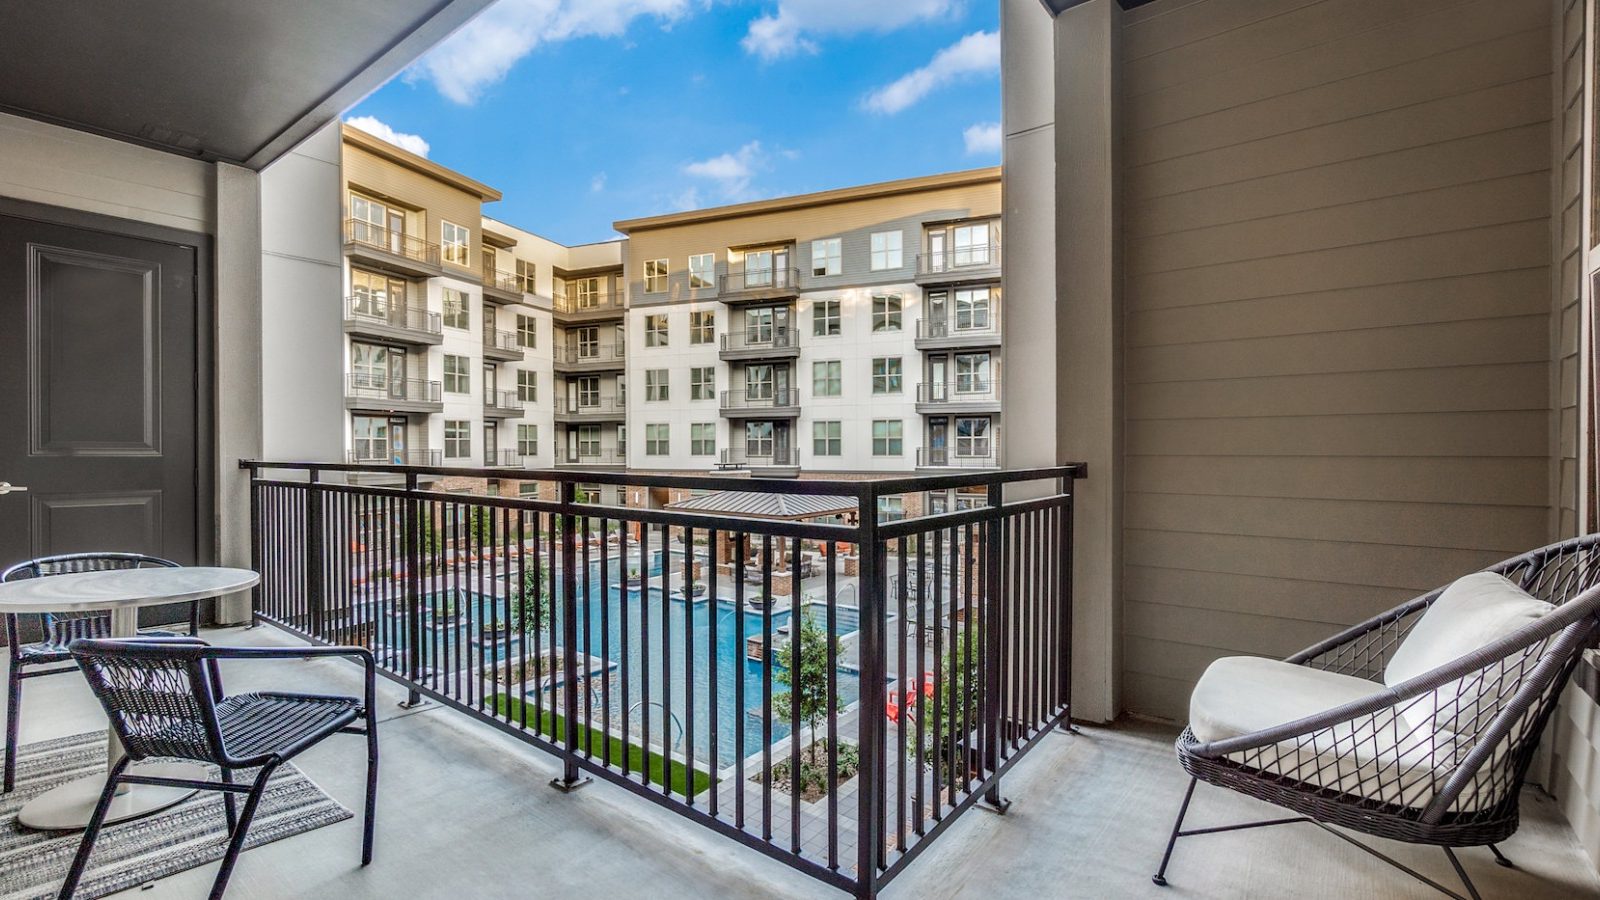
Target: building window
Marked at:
888, 437
972, 309
369, 366
972, 436
826, 257
454, 242
525, 277
657, 439
972, 373
588, 441
587, 340
655, 276
622, 440
584, 292
758, 439
377, 225
758, 382
655, 385
703, 439
971, 244
891, 509
457, 374
456, 314
371, 293
886, 313
457, 438
588, 391
702, 270
825, 318
886, 250
655, 330
527, 331
703, 383
527, 440
758, 268
827, 378
887, 375
527, 386
702, 326
758, 325
370, 438
827, 438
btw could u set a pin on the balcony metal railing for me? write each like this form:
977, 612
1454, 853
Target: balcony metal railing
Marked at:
564, 302
970, 391
498, 457
745, 454
774, 338
599, 406
502, 401
411, 318
764, 399
983, 453
957, 259
500, 340
394, 457
365, 386
574, 354
929, 690
955, 325
398, 243
502, 281
604, 456
782, 278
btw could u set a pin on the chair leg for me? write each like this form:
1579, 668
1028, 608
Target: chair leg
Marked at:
1500, 858
13, 721
1472, 890
80, 860
1161, 873
372, 790
194, 619
236, 842
228, 806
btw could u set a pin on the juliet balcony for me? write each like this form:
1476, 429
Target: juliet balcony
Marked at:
961, 396
374, 318
961, 329
587, 306
741, 285
602, 409
390, 249
501, 287
575, 358
393, 456
959, 265
981, 453
586, 458
774, 403
370, 392
751, 344
501, 345
501, 405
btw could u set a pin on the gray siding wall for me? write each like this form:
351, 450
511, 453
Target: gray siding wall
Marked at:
1338, 290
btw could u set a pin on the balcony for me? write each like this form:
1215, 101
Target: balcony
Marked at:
603, 409
390, 250
407, 457
501, 405
771, 343
501, 345
502, 458
959, 265
366, 317
960, 331
602, 357
980, 454
740, 286
371, 393
587, 307
782, 403
599, 458
501, 287
972, 396
777, 462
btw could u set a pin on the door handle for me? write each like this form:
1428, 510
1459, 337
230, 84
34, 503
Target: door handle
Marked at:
7, 487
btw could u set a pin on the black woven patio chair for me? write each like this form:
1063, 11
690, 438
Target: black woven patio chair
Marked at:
1438, 758
49, 656
165, 699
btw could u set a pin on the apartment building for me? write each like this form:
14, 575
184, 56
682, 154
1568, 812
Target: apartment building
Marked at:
846, 332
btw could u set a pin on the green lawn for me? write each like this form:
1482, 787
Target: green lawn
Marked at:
554, 727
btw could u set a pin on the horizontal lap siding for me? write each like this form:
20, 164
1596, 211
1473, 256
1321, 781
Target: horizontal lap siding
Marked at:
1337, 281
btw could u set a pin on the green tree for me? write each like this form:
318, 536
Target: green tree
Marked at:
960, 681
530, 601
809, 678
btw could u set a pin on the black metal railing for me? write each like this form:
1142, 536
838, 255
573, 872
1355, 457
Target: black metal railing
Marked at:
394, 315
599, 456
368, 386
503, 458
774, 338
653, 648
502, 280
779, 278
978, 453
395, 457
975, 324
578, 302
760, 399
597, 406
390, 240
759, 455
971, 390
500, 340
574, 354
956, 259
502, 401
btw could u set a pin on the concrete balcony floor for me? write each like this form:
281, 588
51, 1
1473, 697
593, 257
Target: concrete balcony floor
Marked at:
465, 811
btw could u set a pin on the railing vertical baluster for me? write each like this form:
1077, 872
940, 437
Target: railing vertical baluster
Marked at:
741, 673
688, 662
796, 625
527, 604
830, 554
874, 610
316, 543
992, 638
570, 777
918, 819
644, 652
666, 660
588, 637
941, 752
605, 638
627, 641
415, 554
256, 561
1069, 487
714, 653
766, 686
905, 691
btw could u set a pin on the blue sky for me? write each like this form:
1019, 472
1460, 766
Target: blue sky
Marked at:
586, 111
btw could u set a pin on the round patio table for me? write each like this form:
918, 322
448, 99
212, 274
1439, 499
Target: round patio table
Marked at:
119, 592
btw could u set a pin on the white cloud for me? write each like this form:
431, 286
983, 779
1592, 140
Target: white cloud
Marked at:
731, 172
791, 29
485, 49
983, 137
381, 130
598, 182
977, 54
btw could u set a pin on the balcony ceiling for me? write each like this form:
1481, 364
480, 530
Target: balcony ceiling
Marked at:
213, 79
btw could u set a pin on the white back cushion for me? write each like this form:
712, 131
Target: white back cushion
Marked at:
1473, 611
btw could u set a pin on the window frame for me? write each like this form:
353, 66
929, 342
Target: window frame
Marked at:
463, 241
464, 310
832, 377
462, 377
702, 382
657, 330
827, 437
527, 331
888, 313
462, 439
702, 271
657, 391
891, 442
830, 252
827, 317
888, 375
655, 275
703, 439
528, 388
658, 439
527, 439
702, 326
884, 254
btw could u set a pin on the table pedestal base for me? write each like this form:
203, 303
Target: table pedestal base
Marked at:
69, 807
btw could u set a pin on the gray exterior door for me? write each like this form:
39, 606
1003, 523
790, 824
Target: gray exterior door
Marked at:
101, 395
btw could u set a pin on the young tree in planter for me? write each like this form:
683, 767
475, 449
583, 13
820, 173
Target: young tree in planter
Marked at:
531, 601
958, 700
810, 677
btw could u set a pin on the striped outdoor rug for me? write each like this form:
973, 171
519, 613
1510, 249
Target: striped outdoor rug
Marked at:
192, 833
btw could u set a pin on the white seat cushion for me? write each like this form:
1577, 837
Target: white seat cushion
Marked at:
1373, 756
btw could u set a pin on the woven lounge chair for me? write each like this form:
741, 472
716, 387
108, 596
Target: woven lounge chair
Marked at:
49, 655
1417, 725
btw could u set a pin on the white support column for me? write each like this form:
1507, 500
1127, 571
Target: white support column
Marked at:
238, 367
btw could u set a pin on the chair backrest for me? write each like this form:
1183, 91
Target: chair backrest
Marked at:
60, 629
160, 695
